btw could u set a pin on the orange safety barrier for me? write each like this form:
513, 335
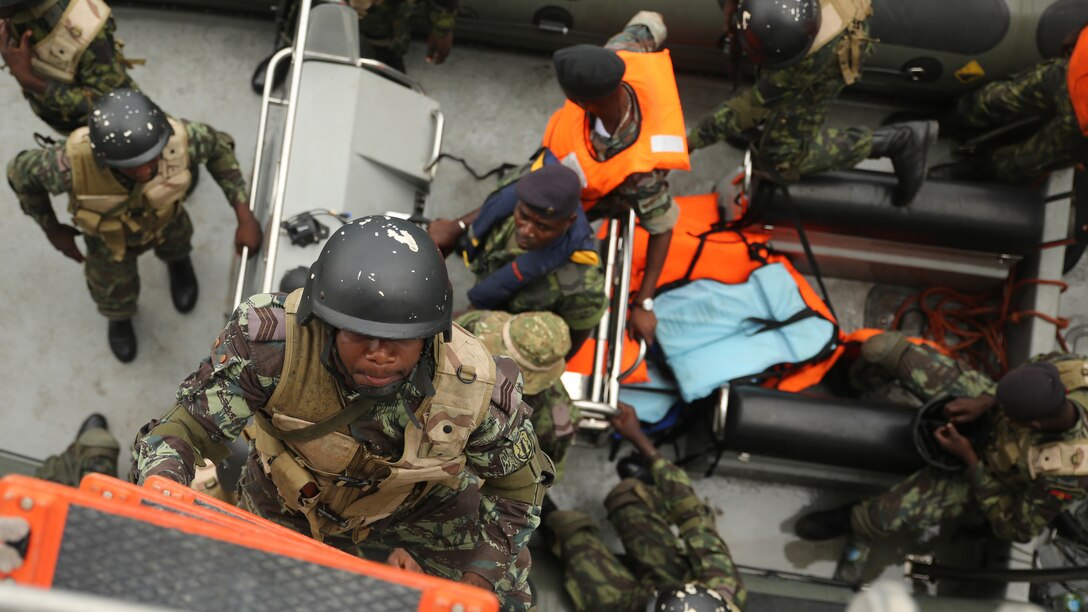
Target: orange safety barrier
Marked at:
165, 494
104, 539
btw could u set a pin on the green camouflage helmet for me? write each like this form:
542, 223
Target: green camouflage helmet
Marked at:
537, 341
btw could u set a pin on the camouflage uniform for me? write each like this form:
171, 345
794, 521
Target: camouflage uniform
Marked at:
575, 292
447, 531
792, 104
115, 285
385, 23
555, 417
1042, 92
64, 106
643, 516
1000, 489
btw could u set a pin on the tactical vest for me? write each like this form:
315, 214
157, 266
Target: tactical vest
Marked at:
57, 55
662, 139
102, 207
321, 471
1077, 79
1012, 444
836, 17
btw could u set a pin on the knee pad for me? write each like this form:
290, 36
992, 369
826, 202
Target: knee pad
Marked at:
653, 22
628, 491
885, 350
564, 523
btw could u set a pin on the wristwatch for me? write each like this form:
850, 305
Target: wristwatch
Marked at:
646, 304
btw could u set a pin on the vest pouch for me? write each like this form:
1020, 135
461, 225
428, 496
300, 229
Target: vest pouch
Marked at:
112, 232
164, 196
1069, 458
105, 205
289, 477
1073, 373
53, 58
447, 434
395, 490
329, 455
87, 221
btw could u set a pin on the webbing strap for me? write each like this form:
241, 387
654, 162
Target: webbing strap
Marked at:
342, 418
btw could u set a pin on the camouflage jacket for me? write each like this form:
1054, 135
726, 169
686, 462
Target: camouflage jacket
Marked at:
711, 562
440, 14
575, 291
101, 69
646, 192
36, 173
1018, 507
241, 374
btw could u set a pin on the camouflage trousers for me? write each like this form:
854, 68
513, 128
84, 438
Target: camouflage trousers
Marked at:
643, 516
1040, 92
555, 419
929, 496
386, 25
115, 285
792, 105
439, 531
95, 450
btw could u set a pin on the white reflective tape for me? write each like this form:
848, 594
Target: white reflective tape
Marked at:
571, 161
665, 143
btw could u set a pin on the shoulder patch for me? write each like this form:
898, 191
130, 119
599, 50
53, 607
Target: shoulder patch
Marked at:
267, 324
523, 447
586, 258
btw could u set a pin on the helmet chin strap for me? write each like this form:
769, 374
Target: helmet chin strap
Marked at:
420, 376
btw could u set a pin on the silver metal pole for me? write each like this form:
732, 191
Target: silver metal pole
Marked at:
297, 60
620, 315
597, 390
258, 153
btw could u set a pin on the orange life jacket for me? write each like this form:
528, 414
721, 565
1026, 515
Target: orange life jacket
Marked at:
662, 139
1077, 79
724, 257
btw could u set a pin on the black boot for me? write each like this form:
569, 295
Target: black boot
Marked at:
95, 421
633, 466
183, 288
825, 524
906, 144
388, 57
122, 340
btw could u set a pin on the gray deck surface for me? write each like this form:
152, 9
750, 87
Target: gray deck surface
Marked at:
57, 365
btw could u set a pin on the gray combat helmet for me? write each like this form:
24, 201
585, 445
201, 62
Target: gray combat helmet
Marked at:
127, 129
381, 277
777, 33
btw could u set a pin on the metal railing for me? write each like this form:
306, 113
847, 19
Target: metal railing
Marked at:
298, 54
608, 372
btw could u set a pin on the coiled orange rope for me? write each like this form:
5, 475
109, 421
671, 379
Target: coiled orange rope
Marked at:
973, 327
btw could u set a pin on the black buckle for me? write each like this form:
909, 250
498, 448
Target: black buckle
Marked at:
355, 483
324, 512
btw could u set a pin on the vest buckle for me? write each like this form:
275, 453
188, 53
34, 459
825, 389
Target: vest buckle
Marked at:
356, 483
324, 512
